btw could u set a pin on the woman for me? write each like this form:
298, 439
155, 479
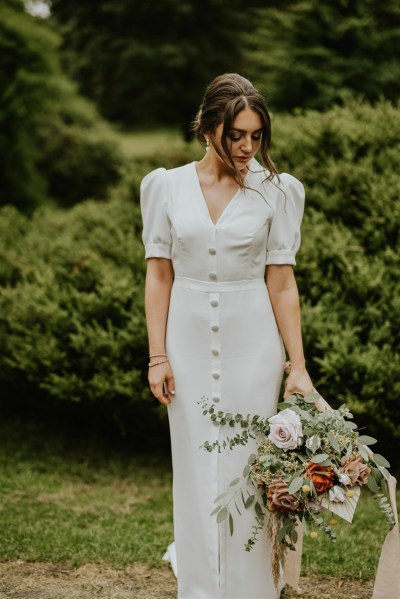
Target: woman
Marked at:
221, 236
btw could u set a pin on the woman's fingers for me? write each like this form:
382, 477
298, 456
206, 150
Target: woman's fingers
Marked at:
298, 382
162, 384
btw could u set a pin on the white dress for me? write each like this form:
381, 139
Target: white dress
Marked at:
223, 343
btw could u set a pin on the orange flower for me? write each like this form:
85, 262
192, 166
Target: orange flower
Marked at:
322, 476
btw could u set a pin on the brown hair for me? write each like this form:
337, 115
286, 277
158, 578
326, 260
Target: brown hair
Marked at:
225, 97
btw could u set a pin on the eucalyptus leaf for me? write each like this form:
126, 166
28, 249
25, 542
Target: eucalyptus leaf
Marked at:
333, 442
380, 460
296, 485
259, 510
372, 484
219, 507
220, 496
235, 481
222, 515
251, 459
320, 457
366, 440
230, 523
363, 452
249, 501
246, 471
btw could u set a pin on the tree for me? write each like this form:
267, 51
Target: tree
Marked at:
52, 142
149, 62
311, 54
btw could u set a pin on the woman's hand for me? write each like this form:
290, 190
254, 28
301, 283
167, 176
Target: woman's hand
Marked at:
298, 381
162, 384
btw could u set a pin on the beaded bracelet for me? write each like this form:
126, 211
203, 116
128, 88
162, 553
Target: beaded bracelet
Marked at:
157, 363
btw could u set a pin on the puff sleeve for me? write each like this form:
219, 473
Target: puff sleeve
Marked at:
156, 235
284, 233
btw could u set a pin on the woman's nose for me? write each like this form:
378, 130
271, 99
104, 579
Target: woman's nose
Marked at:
247, 146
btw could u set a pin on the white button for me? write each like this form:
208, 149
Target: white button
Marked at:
212, 276
215, 328
214, 303
212, 251
216, 376
215, 398
215, 352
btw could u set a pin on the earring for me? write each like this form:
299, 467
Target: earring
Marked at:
207, 144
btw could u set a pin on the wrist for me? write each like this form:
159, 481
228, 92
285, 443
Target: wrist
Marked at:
298, 364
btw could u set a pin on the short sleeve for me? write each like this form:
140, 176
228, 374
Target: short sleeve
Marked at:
156, 235
284, 234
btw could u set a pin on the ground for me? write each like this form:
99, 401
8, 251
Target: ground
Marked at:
25, 580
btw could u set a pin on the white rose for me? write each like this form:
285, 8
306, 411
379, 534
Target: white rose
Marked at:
309, 442
285, 429
343, 478
336, 494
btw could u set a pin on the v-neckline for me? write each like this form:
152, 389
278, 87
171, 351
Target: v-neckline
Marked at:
204, 202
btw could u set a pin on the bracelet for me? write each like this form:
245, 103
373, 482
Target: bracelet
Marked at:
158, 356
157, 363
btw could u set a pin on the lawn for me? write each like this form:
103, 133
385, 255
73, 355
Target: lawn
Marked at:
77, 500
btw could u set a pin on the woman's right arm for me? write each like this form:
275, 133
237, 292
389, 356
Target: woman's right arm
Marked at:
159, 279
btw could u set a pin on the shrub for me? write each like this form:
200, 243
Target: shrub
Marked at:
72, 322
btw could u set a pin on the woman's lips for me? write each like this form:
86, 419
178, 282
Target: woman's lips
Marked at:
243, 158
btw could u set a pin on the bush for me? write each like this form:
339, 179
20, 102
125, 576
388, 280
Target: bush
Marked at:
53, 144
72, 321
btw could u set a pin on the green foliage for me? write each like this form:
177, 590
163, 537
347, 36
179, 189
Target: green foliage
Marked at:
52, 142
310, 54
72, 318
149, 62
72, 323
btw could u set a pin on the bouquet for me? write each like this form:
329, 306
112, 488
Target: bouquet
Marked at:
310, 458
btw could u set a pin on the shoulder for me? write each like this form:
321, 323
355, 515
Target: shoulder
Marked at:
161, 176
290, 183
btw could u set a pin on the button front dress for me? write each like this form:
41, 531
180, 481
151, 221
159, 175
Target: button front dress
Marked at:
223, 343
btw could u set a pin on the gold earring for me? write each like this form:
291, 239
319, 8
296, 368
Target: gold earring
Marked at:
207, 144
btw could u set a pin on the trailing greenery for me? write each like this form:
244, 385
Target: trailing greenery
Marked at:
100, 504
71, 299
53, 144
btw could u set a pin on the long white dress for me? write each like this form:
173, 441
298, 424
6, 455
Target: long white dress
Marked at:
223, 343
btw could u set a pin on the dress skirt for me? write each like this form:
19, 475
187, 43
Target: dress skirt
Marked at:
223, 344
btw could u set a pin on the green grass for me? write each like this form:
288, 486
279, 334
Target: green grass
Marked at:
75, 500
140, 144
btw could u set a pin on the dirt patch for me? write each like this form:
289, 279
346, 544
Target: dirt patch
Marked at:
25, 580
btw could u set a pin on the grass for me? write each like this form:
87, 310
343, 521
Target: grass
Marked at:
140, 144
75, 500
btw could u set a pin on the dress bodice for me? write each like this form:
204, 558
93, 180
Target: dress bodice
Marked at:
259, 226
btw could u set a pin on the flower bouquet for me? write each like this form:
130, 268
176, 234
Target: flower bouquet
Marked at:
310, 458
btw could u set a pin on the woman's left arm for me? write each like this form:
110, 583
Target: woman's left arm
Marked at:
285, 302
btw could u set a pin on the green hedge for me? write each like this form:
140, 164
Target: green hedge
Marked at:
71, 302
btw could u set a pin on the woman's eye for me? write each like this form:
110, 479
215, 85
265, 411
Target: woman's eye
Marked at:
233, 138
257, 137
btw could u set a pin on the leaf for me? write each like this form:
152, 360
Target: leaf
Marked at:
363, 452
246, 471
249, 501
385, 473
351, 425
251, 459
235, 482
372, 485
222, 515
296, 485
259, 510
366, 440
283, 405
220, 496
380, 460
294, 534
349, 450
219, 507
230, 523
281, 534
333, 442
320, 457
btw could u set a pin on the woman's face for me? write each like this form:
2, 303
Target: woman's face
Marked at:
244, 138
